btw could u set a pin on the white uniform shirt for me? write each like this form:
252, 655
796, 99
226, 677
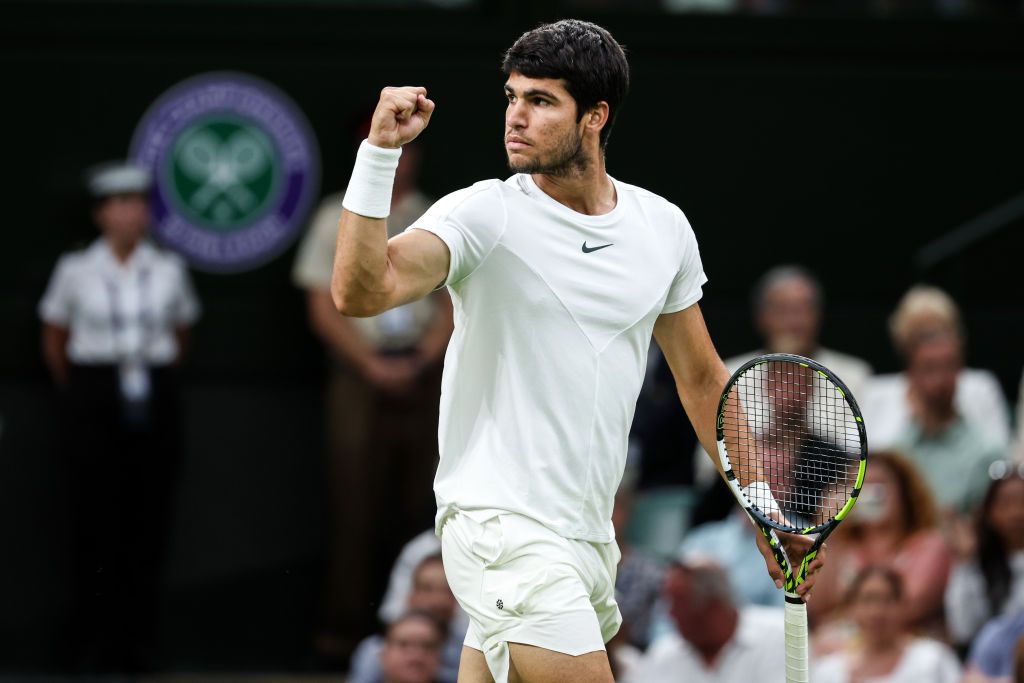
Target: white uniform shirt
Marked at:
116, 311
554, 312
757, 652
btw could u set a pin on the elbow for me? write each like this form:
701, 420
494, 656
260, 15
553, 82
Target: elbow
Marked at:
353, 306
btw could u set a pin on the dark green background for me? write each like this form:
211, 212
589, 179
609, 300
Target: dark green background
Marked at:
845, 144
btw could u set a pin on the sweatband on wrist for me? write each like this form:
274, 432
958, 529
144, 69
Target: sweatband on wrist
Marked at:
373, 177
760, 494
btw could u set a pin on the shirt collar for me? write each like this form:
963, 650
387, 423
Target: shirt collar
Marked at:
141, 256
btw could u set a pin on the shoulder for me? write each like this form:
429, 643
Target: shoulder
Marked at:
979, 382
476, 195
165, 259
654, 205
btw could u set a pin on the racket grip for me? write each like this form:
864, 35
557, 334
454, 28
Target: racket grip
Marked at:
796, 640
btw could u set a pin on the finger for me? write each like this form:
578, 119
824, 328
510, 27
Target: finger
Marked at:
774, 570
425, 105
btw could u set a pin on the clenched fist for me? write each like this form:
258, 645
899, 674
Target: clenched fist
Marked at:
401, 115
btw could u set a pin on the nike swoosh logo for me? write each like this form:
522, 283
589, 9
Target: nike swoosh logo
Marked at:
587, 250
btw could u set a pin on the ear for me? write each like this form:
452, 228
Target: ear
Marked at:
596, 118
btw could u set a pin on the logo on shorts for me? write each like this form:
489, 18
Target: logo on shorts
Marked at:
500, 604
235, 168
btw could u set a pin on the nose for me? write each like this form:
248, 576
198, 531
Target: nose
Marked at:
515, 115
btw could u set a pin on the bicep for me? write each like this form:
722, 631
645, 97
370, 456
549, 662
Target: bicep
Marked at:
419, 262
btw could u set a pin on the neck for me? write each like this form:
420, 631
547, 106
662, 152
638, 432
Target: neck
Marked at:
588, 191
122, 250
884, 645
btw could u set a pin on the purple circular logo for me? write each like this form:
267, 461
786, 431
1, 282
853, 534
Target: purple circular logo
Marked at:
235, 168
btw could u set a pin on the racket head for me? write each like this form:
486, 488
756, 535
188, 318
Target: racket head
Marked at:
791, 423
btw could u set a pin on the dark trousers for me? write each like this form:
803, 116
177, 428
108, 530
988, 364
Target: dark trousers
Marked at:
382, 456
121, 466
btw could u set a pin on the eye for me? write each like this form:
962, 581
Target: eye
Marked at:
510, 97
542, 103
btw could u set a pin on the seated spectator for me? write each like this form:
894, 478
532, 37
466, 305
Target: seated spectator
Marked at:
411, 649
730, 543
992, 655
431, 596
894, 522
988, 577
936, 398
639, 578
788, 305
715, 641
884, 650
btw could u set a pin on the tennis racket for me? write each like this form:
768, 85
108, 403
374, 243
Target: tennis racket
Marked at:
793, 449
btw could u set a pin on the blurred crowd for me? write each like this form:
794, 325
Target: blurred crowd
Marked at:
925, 581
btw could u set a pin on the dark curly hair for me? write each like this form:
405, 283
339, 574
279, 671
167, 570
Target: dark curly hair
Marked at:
582, 54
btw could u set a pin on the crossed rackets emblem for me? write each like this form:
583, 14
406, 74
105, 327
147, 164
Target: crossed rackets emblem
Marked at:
222, 168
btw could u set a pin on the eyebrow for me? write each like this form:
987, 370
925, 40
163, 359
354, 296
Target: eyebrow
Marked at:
533, 92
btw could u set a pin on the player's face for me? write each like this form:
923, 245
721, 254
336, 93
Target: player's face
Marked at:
542, 133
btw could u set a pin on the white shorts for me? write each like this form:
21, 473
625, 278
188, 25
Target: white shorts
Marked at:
520, 582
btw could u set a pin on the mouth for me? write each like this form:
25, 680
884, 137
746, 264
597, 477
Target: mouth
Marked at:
514, 142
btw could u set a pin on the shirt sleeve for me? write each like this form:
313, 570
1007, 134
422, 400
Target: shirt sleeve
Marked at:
686, 286
56, 304
966, 602
186, 304
470, 222
314, 260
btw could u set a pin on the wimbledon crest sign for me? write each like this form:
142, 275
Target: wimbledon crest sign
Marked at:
235, 169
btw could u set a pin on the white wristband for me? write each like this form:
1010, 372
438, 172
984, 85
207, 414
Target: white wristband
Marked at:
760, 494
373, 177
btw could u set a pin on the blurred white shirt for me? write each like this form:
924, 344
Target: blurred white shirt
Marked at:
978, 399
756, 652
924, 660
117, 311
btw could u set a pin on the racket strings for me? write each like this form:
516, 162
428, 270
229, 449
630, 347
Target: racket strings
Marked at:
791, 427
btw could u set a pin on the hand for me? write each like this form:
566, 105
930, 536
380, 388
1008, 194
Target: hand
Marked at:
395, 376
960, 535
796, 546
401, 115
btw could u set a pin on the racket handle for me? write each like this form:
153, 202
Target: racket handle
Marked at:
796, 639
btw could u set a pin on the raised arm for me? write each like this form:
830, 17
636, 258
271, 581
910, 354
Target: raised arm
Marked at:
371, 273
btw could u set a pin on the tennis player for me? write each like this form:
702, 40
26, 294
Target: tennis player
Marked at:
559, 276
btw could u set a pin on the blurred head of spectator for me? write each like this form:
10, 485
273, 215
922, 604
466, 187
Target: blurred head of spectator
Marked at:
412, 649
894, 523
430, 591
1000, 532
701, 605
894, 497
788, 303
121, 207
922, 313
875, 601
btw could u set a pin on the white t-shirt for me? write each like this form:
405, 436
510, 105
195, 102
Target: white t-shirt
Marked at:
116, 311
924, 660
554, 312
757, 652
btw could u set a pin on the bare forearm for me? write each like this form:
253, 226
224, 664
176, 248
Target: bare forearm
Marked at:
55, 353
362, 278
700, 400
